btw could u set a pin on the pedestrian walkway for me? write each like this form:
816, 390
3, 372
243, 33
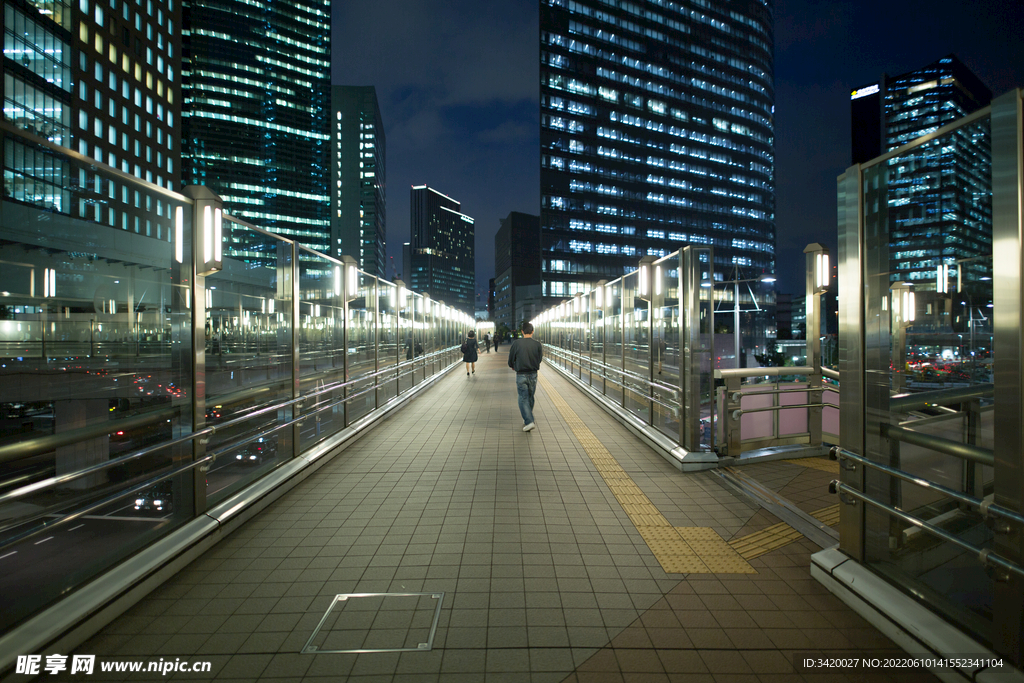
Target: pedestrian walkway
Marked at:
570, 553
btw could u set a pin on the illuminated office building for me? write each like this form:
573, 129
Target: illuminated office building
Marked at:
255, 111
101, 79
940, 209
657, 132
358, 178
516, 266
439, 258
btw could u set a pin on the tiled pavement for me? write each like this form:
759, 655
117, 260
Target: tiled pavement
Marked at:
545, 577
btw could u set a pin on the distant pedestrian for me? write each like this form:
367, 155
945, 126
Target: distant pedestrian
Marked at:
469, 352
487, 342
497, 341
524, 357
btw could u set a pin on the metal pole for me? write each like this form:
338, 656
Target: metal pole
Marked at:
736, 318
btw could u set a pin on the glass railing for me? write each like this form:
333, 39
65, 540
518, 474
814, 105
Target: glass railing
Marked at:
135, 393
921, 375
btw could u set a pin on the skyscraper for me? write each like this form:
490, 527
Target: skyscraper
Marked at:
358, 178
657, 131
516, 266
99, 79
255, 111
439, 255
940, 208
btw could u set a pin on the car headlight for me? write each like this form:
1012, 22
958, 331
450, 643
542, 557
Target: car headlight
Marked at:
140, 501
158, 503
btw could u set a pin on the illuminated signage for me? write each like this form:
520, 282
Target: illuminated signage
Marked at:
864, 92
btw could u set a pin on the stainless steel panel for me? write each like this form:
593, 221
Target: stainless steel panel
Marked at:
1008, 311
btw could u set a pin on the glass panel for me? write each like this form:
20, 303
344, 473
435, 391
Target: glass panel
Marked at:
321, 347
406, 301
636, 349
362, 348
613, 339
665, 342
95, 357
928, 309
596, 326
248, 359
388, 346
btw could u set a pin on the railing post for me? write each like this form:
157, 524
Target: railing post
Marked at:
205, 205
816, 281
733, 402
1008, 363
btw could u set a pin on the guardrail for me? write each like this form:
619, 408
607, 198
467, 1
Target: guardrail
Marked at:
135, 365
985, 507
803, 422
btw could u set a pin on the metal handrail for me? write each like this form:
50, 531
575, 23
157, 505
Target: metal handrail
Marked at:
727, 373
52, 481
984, 555
831, 374
940, 397
742, 411
626, 373
737, 395
964, 451
984, 507
674, 408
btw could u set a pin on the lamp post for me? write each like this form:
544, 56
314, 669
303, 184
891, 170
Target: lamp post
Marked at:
817, 276
903, 314
766, 278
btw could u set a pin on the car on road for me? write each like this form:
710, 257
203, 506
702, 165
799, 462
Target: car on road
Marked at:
159, 498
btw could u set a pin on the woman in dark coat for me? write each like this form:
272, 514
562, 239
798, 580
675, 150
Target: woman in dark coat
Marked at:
469, 352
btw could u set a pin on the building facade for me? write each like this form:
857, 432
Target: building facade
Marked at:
657, 132
103, 81
940, 209
439, 256
255, 108
358, 178
517, 262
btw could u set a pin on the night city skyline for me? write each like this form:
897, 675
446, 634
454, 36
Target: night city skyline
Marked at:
464, 78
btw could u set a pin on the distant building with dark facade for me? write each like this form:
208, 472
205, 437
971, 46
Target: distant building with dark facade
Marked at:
358, 178
255, 107
517, 267
657, 132
102, 81
939, 196
439, 256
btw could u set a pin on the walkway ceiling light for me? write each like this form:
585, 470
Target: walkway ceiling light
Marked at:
179, 234
210, 228
942, 279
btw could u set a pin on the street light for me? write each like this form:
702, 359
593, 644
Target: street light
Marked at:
766, 278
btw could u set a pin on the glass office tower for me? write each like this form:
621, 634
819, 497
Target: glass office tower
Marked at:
941, 197
657, 131
439, 258
255, 110
358, 178
100, 79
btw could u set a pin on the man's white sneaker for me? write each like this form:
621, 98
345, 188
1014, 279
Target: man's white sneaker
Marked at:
530, 427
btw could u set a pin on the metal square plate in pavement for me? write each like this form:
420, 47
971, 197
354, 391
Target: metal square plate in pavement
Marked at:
377, 622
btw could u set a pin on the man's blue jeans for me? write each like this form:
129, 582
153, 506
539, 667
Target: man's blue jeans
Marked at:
526, 385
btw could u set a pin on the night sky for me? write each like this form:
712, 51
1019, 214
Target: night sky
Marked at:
458, 87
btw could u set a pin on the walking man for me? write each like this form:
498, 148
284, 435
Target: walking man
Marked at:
524, 357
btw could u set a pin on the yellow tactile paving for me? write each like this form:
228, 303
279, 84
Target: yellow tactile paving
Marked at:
831, 466
679, 550
829, 515
777, 535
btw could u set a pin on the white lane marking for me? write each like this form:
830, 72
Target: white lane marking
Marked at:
76, 527
43, 541
14, 552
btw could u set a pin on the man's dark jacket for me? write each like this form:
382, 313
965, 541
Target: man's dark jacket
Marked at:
525, 355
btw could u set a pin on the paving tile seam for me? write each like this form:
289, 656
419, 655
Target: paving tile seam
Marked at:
705, 552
